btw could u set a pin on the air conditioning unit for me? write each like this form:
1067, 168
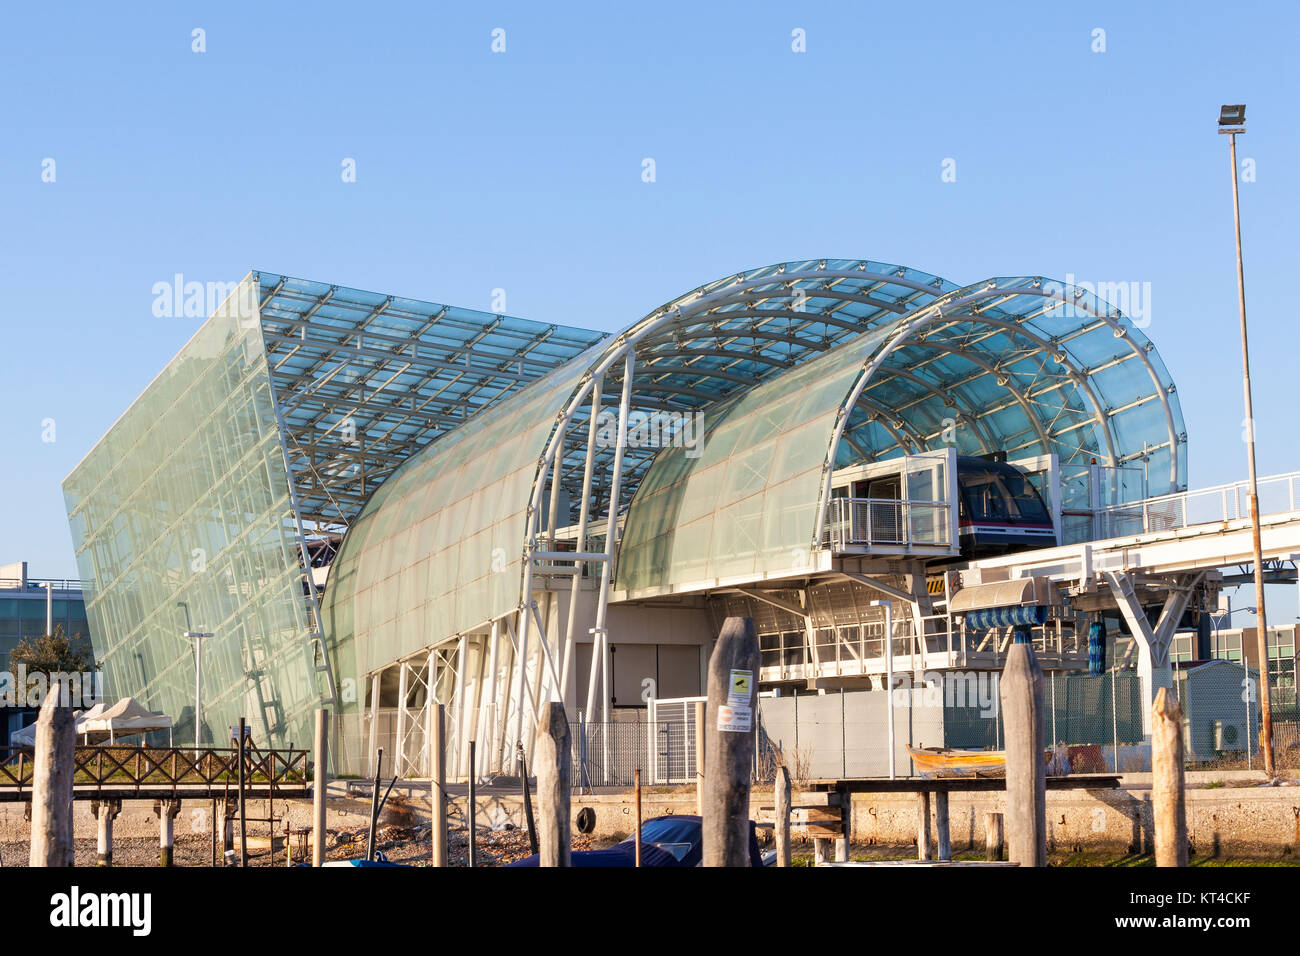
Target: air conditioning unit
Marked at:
1229, 735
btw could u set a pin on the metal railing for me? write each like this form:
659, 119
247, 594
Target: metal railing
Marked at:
38, 584
1277, 495
163, 768
863, 522
852, 650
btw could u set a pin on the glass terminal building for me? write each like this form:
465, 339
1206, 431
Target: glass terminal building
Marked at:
376, 503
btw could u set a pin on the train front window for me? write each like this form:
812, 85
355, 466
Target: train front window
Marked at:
990, 494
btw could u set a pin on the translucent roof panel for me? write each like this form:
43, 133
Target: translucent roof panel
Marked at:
731, 334
745, 506
1000, 366
364, 380
1005, 365
438, 550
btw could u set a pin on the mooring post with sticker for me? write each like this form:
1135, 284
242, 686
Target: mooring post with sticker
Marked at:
1021, 689
56, 742
729, 743
554, 757
1168, 805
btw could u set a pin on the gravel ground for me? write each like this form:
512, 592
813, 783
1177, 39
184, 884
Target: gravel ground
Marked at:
400, 844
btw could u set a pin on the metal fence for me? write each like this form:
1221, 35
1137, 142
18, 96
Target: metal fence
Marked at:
1098, 720
609, 754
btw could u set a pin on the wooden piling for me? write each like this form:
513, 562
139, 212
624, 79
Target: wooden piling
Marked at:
782, 793
320, 787
1021, 690
923, 825
51, 841
374, 808
942, 833
636, 788
846, 827
1167, 794
437, 736
993, 837
243, 803
701, 735
228, 830
729, 743
554, 763
471, 809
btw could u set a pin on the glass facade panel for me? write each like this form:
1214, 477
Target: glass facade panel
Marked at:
181, 516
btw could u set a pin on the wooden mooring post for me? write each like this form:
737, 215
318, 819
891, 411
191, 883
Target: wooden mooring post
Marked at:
1167, 792
636, 788
729, 743
554, 759
993, 837
942, 832
782, 793
320, 787
471, 808
243, 803
437, 742
923, 825
374, 807
1021, 690
701, 735
56, 742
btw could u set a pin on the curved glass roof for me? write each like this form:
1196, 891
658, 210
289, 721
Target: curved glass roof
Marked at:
770, 357
438, 550
1002, 365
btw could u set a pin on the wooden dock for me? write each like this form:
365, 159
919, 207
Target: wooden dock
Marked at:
825, 808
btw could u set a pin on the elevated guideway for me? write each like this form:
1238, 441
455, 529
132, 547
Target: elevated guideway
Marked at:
1158, 551
1170, 534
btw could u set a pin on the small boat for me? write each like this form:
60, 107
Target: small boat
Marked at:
936, 762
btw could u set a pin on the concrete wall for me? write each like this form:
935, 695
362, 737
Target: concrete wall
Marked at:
1242, 819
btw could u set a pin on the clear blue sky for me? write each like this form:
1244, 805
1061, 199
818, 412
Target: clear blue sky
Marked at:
522, 170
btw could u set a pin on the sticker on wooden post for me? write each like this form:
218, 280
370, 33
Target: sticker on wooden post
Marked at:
736, 715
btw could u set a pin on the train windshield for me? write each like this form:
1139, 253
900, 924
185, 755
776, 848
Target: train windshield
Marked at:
993, 493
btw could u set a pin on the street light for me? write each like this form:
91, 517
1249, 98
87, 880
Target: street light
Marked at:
1232, 120
198, 686
889, 676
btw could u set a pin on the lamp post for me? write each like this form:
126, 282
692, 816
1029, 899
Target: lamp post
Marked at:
889, 677
198, 686
1232, 120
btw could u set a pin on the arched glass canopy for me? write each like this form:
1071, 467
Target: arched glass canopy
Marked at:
796, 368
1022, 366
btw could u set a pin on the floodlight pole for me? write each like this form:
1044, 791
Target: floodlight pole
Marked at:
1261, 628
198, 687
